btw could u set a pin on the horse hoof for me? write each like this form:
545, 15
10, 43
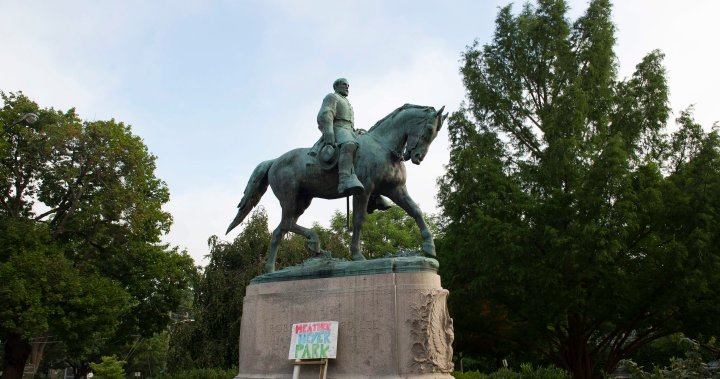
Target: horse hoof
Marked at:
313, 247
321, 254
429, 249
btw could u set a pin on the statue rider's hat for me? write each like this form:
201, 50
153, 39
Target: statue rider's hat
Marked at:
328, 156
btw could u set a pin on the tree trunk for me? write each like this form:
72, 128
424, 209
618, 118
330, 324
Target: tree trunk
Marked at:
580, 362
575, 354
81, 371
17, 351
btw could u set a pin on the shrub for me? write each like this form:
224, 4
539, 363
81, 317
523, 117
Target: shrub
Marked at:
205, 373
690, 367
109, 368
526, 372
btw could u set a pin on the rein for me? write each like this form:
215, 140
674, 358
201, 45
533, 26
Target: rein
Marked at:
393, 152
398, 156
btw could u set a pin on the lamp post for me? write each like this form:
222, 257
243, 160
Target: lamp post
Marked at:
30, 118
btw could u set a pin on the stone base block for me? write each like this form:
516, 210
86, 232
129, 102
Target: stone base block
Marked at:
391, 325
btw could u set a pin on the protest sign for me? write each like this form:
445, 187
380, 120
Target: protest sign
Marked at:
313, 340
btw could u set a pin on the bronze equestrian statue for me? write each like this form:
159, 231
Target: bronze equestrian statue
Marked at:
368, 165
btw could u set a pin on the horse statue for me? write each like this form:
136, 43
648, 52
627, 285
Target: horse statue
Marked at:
296, 178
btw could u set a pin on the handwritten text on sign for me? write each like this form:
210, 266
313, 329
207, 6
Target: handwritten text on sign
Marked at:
311, 340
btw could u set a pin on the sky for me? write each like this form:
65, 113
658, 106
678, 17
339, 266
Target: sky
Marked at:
215, 87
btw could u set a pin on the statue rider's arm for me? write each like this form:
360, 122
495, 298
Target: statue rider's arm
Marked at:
326, 117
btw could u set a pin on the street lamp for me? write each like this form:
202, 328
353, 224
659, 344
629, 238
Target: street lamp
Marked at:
30, 118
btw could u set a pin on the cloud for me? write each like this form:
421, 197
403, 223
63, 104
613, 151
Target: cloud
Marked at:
37, 63
79, 53
201, 212
216, 87
685, 33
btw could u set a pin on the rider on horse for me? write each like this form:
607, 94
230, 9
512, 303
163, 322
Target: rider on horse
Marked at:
336, 122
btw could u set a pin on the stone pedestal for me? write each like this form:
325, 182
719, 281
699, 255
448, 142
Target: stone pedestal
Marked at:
391, 325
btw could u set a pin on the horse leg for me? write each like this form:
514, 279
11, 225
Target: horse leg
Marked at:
360, 203
277, 236
313, 244
401, 197
286, 224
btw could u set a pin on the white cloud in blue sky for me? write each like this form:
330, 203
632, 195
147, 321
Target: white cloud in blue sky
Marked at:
215, 87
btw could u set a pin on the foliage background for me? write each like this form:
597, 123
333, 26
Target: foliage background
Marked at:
567, 197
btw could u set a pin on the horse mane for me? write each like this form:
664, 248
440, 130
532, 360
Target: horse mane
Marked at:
395, 112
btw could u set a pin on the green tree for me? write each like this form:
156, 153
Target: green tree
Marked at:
576, 227
80, 209
691, 366
42, 292
663, 351
211, 340
108, 368
147, 355
385, 232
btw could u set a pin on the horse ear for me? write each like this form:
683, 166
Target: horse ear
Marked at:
441, 118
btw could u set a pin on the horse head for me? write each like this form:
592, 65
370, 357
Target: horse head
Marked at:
420, 137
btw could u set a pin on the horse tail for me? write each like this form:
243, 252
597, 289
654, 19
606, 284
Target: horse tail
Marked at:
255, 189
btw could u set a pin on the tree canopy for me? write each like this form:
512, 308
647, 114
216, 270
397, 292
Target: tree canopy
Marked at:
385, 232
210, 340
579, 227
81, 219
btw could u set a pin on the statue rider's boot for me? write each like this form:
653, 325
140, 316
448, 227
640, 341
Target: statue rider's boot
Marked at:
349, 183
378, 202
